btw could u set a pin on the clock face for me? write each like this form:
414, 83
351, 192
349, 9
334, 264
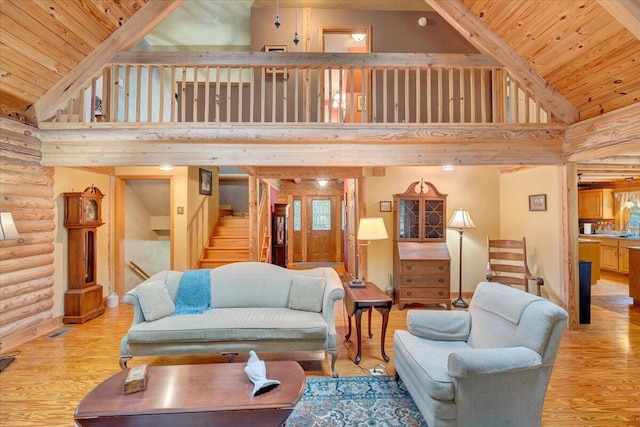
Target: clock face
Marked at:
91, 211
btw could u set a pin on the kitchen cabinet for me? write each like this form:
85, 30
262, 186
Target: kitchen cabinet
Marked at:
595, 204
614, 254
623, 254
609, 254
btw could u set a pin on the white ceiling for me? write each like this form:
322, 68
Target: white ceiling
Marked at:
154, 194
203, 25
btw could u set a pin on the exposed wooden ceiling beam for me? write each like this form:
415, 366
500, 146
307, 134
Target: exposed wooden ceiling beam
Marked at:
297, 173
300, 144
627, 12
131, 32
479, 35
614, 133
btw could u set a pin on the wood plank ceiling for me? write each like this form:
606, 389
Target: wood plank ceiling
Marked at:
577, 46
42, 41
587, 50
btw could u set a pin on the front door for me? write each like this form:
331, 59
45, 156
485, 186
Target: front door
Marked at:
322, 223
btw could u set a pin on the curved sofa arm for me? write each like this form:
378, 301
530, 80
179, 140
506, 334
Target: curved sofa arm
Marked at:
333, 291
492, 360
131, 298
439, 325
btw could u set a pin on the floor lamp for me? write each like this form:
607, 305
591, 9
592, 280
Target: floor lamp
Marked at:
369, 229
461, 220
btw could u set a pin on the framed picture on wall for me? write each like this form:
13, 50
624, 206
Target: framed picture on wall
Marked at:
538, 202
385, 206
205, 182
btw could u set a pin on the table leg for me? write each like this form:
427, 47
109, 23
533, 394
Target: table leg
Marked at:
370, 314
385, 320
358, 315
346, 337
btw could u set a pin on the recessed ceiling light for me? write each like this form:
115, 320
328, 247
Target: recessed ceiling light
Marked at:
166, 168
358, 36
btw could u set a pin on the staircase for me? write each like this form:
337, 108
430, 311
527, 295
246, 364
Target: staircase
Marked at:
228, 243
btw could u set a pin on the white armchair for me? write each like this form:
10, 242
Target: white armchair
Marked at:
489, 366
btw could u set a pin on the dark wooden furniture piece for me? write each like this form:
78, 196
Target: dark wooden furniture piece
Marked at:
421, 260
634, 274
507, 263
360, 299
279, 235
83, 299
186, 395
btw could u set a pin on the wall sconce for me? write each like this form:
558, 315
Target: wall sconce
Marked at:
322, 182
8, 230
448, 167
166, 168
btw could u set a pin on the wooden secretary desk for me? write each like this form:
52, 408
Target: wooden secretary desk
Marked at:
421, 260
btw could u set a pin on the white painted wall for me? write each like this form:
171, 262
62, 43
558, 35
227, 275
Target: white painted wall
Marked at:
76, 180
475, 188
541, 229
141, 243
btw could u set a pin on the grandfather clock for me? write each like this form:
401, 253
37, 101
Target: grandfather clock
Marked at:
82, 216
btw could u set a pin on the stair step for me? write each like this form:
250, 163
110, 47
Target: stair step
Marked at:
233, 222
226, 253
228, 242
231, 232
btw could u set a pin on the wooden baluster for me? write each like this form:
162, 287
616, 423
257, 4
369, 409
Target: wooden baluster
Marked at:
207, 92
194, 115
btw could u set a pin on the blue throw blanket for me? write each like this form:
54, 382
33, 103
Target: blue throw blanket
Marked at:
194, 292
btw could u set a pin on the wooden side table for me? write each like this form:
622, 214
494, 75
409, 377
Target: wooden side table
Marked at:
358, 300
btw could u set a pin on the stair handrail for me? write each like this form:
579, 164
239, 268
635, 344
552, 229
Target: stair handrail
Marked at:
264, 216
138, 270
198, 233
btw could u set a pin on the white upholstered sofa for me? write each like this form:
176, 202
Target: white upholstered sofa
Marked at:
254, 306
488, 367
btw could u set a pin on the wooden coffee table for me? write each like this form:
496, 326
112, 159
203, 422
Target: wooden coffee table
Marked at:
360, 299
185, 395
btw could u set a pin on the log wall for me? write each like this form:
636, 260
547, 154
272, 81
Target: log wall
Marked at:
26, 265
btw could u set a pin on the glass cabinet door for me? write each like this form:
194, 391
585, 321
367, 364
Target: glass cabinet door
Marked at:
419, 215
408, 219
433, 219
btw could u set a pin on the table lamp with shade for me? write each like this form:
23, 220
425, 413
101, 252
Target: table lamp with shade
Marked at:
369, 229
462, 221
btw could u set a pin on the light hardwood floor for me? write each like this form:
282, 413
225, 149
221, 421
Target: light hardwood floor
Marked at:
595, 382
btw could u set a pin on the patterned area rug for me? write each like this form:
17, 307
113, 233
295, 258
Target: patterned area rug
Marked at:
355, 401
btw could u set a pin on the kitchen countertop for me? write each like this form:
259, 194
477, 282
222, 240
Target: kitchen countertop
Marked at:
606, 236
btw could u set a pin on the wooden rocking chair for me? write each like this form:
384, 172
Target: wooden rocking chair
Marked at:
507, 264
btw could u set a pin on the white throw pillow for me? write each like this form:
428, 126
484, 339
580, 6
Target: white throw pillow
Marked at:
155, 300
306, 293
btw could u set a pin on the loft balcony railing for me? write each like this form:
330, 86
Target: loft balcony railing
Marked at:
331, 89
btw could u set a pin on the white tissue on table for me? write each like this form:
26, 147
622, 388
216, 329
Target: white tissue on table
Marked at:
257, 373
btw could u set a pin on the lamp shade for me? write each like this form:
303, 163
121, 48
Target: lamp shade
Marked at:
372, 229
461, 219
8, 230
